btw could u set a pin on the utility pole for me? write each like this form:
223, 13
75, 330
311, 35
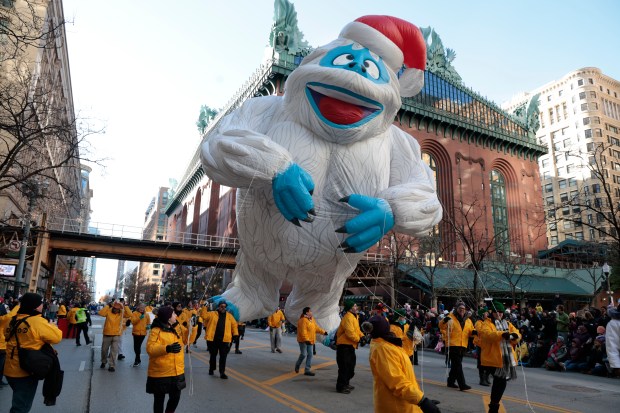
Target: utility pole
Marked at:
606, 271
33, 189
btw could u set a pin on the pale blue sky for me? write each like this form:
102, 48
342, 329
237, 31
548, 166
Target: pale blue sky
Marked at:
144, 67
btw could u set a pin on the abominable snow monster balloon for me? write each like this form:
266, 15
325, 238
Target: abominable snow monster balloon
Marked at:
322, 173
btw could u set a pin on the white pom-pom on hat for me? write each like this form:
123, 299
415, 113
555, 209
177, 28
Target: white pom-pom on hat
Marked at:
398, 42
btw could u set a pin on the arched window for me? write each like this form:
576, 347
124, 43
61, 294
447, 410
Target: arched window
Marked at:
429, 160
499, 209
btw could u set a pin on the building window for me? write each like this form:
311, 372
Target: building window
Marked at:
562, 183
596, 188
582, 95
580, 82
548, 188
554, 240
155, 272
592, 233
588, 133
564, 197
572, 181
499, 210
549, 200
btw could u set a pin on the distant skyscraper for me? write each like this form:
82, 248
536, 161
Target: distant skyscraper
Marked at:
578, 114
155, 225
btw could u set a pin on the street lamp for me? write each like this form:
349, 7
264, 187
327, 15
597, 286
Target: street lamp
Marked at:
33, 188
609, 292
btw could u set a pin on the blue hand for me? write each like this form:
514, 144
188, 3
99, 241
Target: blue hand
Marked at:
292, 192
375, 220
230, 307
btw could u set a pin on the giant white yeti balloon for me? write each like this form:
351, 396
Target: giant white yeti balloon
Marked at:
321, 162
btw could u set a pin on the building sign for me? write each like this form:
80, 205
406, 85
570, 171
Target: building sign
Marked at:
7, 270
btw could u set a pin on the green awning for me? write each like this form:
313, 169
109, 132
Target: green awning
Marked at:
567, 283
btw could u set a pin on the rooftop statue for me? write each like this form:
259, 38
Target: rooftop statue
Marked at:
438, 60
527, 112
206, 116
285, 36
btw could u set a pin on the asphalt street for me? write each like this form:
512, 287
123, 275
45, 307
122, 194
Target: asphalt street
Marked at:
261, 381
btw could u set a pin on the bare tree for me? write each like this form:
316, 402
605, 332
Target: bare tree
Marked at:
514, 272
468, 222
40, 136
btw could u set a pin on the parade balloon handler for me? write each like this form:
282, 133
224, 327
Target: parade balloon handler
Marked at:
307, 329
348, 337
166, 372
498, 340
457, 329
395, 388
220, 330
322, 173
37, 334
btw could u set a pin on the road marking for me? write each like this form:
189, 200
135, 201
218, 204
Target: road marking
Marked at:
285, 399
509, 398
247, 347
486, 399
292, 374
82, 365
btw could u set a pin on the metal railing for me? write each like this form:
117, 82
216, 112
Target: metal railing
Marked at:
74, 226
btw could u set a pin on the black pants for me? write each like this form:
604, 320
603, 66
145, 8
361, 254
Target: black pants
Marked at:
345, 357
2, 359
81, 327
497, 390
236, 341
137, 347
456, 366
199, 331
214, 347
173, 400
241, 331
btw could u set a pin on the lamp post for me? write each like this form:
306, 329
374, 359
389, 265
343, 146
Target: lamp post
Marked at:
606, 270
33, 189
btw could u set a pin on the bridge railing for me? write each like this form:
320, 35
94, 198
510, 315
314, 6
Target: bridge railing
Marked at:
74, 226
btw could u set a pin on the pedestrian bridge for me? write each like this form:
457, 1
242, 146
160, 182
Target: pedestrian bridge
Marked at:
123, 242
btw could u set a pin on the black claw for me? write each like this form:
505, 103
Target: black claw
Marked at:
308, 219
311, 192
348, 250
312, 212
342, 230
345, 199
344, 245
296, 222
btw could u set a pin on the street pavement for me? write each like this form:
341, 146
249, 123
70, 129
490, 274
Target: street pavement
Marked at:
261, 381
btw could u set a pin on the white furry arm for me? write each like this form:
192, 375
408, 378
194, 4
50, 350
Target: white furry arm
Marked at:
412, 194
238, 154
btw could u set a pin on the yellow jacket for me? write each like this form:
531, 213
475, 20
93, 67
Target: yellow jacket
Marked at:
4, 322
230, 329
276, 319
139, 324
62, 310
402, 334
349, 330
453, 334
162, 364
113, 322
307, 330
491, 338
203, 313
33, 337
395, 387
478, 327
71, 315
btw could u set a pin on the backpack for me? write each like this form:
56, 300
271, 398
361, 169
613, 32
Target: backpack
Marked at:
37, 363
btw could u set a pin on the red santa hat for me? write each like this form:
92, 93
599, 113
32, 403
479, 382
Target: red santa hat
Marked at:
398, 42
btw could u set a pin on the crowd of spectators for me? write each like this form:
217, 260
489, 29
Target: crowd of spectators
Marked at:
554, 340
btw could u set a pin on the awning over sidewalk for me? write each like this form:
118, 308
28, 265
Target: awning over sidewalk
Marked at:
445, 278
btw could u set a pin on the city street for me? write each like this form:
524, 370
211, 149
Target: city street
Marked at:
261, 381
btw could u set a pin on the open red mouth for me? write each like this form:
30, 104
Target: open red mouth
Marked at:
339, 111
